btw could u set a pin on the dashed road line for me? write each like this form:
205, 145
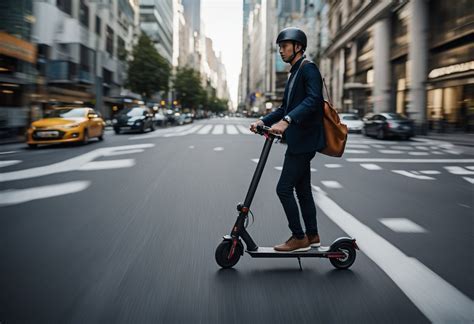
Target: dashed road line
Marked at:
458, 170
18, 196
370, 166
7, 163
412, 175
105, 165
402, 225
331, 184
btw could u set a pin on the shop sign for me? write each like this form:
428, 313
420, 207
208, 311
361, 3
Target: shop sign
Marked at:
455, 68
15, 47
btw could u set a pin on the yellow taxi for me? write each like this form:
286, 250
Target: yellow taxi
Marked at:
66, 124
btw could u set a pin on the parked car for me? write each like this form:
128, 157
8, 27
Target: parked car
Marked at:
387, 125
65, 125
135, 118
353, 122
160, 119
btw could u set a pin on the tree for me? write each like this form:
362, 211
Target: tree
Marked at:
189, 91
148, 71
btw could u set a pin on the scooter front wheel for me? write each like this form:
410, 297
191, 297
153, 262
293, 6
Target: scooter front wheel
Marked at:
349, 256
224, 258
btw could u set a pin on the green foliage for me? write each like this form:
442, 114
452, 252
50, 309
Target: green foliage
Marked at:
191, 94
148, 71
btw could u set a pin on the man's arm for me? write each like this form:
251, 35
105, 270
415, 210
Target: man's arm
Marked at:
275, 116
314, 90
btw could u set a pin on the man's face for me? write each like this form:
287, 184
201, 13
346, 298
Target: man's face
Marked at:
286, 50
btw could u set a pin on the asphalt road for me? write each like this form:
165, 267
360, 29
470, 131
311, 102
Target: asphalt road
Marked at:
125, 231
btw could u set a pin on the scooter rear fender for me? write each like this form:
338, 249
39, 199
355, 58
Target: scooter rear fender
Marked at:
340, 240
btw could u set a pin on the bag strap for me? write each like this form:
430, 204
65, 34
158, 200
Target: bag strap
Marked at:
290, 86
327, 92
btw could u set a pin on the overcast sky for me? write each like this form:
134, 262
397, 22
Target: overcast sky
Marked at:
223, 24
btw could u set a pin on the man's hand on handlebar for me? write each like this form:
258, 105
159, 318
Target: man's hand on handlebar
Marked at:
253, 126
279, 128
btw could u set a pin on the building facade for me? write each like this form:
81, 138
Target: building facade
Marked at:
411, 57
82, 51
17, 67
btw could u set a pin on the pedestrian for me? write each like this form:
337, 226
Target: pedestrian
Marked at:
300, 118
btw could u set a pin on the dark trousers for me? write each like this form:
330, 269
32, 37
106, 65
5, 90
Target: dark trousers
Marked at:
296, 176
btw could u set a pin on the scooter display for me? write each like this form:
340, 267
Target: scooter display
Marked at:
341, 253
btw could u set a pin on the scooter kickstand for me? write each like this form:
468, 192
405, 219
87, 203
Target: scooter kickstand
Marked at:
299, 262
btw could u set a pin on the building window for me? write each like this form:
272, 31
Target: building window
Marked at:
98, 26
65, 6
121, 51
84, 14
110, 41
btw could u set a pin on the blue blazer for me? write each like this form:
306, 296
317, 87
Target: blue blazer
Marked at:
305, 133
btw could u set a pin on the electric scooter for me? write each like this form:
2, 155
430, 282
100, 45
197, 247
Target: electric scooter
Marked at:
341, 253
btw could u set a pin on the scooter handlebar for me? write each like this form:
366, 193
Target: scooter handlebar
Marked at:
265, 130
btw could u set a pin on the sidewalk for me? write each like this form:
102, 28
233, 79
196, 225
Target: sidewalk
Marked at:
461, 139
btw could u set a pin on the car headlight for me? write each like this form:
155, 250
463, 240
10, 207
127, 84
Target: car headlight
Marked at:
72, 125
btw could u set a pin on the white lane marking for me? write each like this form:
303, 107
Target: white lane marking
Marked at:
402, 148
218, 129
391, 152
470, 168
313, 170
218, 148
124, 152
378, 146
191, 146
412, 175
161, 132
430, 172
402, 225
8, 152
437, 299
453, 152
244, 130
18, 196
358, 146
458, 170
205, 130
437, 152
69, 164
231, 130
464, 205
8, 163
411, 160
255, 160
424, 148
279, 168
418, 153
470, 180
370, 166
331, 184
186, 132
105, 165
356, 151
333, 166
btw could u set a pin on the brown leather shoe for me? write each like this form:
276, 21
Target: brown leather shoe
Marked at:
314, 240
294, 245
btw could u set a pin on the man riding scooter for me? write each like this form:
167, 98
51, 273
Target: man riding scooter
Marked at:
300, 119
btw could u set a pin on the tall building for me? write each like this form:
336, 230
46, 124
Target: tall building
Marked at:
411, 57
156, 20
82, 50
192, 14
17, 67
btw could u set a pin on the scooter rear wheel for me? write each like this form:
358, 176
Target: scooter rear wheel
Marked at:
348, 260
222, 254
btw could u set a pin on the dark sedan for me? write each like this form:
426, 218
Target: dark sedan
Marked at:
135, 118
386, 125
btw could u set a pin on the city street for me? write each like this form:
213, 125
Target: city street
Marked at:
125, 230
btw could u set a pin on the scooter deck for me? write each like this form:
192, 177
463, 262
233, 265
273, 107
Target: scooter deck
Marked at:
269, 252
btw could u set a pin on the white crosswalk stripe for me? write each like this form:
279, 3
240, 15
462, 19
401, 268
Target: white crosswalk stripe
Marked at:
8, 163
244, 130
205, 130
231, 130
218, 130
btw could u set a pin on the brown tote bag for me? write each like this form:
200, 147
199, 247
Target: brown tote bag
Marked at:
334, 130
